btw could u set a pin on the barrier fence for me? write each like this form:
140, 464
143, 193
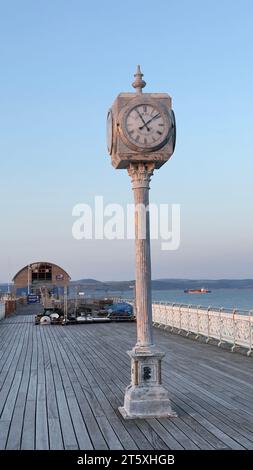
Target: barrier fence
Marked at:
225, 325
9, 306
2, 310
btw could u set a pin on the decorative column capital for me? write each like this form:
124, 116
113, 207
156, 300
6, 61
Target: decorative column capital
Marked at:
141, 174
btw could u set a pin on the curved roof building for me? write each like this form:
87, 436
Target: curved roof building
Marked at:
40, 274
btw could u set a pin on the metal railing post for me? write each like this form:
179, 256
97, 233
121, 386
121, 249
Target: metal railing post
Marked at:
234, 331
250, 334
160, 315
180, 319
220, 326
163, 315
197, 335
172, 326
188, 321
167, 316
208, 324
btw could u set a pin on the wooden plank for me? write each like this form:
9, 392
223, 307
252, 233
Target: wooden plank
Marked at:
41, 429
8, 340
229, 408
156, 442
232, 415
94, 430
109, 434
97, 372
55, 435
166, 435
52, 408
9, 369
72, 379
96, 391
207, 424
4, 430
106, 399
230, 384
28, 432
117, 376
175, 444
15, 433
68, 434
227, 426
196, 435
223, 382
14, 436
11, 397
79, 426
178, 434
244, 441
224, 419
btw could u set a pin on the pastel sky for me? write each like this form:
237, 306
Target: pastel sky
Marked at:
62, 63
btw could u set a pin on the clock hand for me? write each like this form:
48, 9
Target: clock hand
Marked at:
154, 117
144, 123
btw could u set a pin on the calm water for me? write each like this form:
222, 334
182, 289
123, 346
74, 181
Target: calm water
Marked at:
227, 298
241, 299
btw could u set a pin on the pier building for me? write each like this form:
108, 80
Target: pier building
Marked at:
34, 276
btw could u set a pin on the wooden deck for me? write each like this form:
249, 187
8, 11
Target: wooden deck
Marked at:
60, 388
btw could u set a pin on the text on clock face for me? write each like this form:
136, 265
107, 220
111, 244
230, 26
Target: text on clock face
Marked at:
145, 125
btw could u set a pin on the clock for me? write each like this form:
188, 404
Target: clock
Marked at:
109, 131
141, 127
146, 126
172, 132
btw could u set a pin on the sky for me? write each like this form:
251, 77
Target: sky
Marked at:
62, 64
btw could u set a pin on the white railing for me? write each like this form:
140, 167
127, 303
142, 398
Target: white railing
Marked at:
2, 310
225, 325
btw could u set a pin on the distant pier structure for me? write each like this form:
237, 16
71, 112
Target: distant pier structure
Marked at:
32, 277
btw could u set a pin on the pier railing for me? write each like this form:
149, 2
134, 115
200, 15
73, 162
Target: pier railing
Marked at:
225, 325
2, 310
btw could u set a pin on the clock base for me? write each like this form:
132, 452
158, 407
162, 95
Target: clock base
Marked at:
145, 397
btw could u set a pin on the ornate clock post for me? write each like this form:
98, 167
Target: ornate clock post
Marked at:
141, 136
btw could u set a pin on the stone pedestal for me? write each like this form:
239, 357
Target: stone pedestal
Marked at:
145, 397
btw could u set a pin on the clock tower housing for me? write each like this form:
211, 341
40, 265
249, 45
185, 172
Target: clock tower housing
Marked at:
133, 132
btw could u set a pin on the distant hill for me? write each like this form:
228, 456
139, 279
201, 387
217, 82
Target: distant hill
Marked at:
87, 281
90, 284
157, 284
168, 284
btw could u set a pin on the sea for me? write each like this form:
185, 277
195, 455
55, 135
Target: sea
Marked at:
238, 299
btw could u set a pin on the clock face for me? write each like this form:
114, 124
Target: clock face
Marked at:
109, 131
146, 126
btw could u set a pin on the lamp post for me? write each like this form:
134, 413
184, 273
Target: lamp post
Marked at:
141, 138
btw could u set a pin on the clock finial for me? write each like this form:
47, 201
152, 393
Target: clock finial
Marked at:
138, 83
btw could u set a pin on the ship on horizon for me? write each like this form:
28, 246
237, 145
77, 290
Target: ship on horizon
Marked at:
202, 290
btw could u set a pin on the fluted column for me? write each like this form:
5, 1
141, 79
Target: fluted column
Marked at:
145, 397
141, 175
